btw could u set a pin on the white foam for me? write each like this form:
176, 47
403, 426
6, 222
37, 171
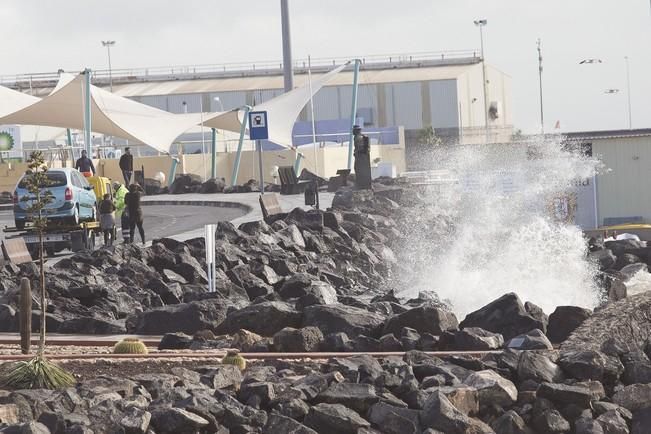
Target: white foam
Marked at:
502, 238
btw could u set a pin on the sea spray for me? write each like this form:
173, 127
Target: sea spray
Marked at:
489, 229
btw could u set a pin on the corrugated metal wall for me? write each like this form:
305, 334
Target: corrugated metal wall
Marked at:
413, 105
624, 191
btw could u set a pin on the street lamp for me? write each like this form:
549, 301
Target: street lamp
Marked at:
108, 45
628, 93
481, 23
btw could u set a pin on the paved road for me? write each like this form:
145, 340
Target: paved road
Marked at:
166, 220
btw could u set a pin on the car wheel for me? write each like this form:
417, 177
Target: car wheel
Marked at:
20, 224
74, 220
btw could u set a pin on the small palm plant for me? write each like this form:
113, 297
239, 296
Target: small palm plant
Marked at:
39, 372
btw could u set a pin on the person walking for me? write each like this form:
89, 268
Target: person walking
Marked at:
133, 207
126, 165
107, 219
85, 164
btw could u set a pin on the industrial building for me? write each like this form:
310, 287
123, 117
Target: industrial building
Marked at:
441, 90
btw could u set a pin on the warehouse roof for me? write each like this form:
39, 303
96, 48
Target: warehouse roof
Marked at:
608, 134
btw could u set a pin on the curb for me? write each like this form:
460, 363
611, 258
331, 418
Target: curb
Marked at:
215, 203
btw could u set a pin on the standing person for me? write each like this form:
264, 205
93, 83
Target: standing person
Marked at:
85, 164
107, 219
132, 201
126, 165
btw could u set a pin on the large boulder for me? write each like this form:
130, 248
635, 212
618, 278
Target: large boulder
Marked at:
506, 316
564, 320
185, 317
266, 318
591, 365
477, 339
423, 319
493, 389
626, 321
336, 318
213, 185
359, 397
334, 419
634, 397
533, 340
277, 423
394, 420
439, 413
292, 340
539, 368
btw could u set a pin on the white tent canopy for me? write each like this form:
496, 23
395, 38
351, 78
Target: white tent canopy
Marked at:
282, 111
11, 100
111, 114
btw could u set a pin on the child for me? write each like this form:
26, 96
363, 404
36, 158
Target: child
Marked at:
107, 219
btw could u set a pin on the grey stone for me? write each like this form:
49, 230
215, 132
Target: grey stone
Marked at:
307, 339
439, 413
538, 367
510, 423
566, 394
493, 388
533, 340
135, 421
334, 419
477, 339
358, 397
277, 423
424, 319
634, 397
564, 320
394, 420
341, 318
176, 421
613, 423
266, 318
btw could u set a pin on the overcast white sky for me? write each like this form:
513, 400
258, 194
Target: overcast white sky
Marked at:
45, 35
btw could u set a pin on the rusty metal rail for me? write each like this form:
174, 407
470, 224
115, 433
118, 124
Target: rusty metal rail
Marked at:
198, 355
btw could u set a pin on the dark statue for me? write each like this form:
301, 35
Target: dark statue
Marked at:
362, 155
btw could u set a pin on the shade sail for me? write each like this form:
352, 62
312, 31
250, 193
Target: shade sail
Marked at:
111, 114
11, 100
282, 111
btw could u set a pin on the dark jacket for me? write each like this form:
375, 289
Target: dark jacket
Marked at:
106, 206
132, 202
85, 164
126, 162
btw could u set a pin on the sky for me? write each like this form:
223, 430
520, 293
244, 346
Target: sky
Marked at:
45, 35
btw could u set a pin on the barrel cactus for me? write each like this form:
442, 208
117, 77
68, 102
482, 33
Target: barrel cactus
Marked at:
233, 358
130, 346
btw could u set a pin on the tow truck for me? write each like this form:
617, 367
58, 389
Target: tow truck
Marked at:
61, 235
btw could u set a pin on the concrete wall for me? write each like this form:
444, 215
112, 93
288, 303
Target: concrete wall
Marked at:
328, 161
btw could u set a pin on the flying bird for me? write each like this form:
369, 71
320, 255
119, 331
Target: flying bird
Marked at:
590, 61
611, 91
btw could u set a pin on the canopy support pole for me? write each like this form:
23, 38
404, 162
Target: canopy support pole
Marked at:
213, 154
238, 156
175, 162
87, 115
353, 113
297, 162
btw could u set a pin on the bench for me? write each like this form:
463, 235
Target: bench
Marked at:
271, 209
15, 250
289, 182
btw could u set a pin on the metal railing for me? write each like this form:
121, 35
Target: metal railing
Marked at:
243, 69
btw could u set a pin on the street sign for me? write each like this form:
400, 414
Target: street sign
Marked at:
258, 126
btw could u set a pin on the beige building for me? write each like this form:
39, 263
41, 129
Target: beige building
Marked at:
624, 186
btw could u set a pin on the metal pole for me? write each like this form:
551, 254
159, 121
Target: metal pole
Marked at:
628, 93
297, 162
238, 155
483, 73
108, 48
213, 154
175, 162
314, 144
259, 146
353, 112
87, 114
288, 73
540, 71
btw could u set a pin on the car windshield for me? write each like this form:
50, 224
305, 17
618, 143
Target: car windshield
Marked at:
55, 179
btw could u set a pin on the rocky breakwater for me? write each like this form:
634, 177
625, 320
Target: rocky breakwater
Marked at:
518, 390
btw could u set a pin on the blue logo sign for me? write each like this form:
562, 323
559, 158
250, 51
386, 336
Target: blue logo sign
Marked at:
258, 126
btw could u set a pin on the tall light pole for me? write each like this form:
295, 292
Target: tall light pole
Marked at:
481, 23
108, 45
628, 93
540, 71
288, 72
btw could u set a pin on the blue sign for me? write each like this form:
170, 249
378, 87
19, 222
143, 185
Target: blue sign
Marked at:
258, 126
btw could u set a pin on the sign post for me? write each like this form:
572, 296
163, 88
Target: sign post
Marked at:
259, 130
210, 255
